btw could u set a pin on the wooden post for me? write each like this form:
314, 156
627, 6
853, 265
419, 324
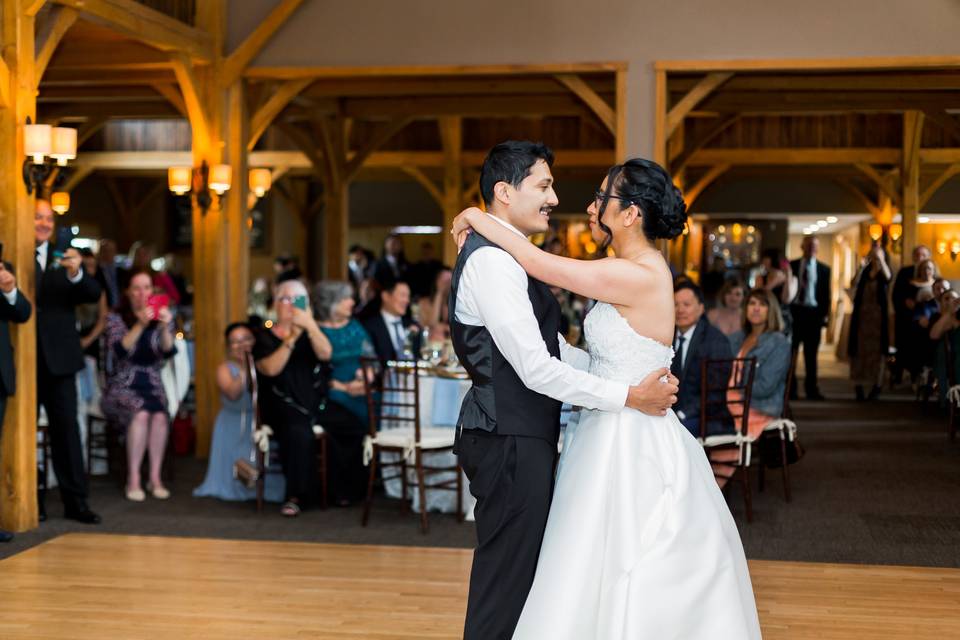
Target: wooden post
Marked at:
620, 115
910, 178
451, 134
336, 224
18, 462
238, 230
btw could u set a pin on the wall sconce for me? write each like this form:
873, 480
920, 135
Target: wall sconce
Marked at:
260, 181
941, 247
895, 231
200, 180
40, 141
60, 202
876, 232
954, 250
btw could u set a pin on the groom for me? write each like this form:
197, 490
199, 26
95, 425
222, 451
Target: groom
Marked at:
505, 329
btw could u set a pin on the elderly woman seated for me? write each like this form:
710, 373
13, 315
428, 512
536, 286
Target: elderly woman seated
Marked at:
761, 338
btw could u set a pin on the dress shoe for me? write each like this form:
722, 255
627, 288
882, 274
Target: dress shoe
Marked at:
159, 492
136, 495
816, 395
5, 536
42, 513
82, 515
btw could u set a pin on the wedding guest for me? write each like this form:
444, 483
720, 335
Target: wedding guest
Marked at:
143, 257
107, 268
810, 311
333, 308
392, 266
423, 273
779, 279
696, 340
14, 307
286, 267
61, 284
728, 316
713, 281
139, 340
92, 317
393, 334
292, 357
360, 265
944, 332
233, 429
904, 298
869, 342
762, 338
434, 308
920, 291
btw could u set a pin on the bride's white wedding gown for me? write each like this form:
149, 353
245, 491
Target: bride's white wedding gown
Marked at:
639, 542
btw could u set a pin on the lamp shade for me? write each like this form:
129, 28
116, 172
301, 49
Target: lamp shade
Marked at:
178, 179
64, 145
37, 141
896, 230
220, 177
260, 181
876, 232
60, 202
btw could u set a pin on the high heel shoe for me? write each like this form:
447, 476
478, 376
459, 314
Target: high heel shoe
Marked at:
159, 491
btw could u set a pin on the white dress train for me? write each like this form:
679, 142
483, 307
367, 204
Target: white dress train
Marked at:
639, 542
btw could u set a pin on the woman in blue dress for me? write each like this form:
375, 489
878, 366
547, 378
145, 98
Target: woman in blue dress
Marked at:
233, 431
333, 305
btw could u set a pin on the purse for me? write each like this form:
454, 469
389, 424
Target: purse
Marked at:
246, 472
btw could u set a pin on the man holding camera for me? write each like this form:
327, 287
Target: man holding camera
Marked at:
61, 286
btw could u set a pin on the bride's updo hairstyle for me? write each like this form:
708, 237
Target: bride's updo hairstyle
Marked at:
647, 185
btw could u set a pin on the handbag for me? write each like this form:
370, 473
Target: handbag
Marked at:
770, 450
246, 472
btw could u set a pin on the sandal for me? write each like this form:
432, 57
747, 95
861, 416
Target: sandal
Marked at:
290, 509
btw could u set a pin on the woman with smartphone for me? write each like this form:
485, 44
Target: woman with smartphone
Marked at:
290, 355
139, 339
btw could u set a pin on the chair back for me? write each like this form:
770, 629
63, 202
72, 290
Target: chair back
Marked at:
725, 388
787, 412
397, 383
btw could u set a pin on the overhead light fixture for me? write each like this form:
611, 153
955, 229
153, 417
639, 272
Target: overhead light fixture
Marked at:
923, 219
833, 219
822, 224
201, 181
43, 141
60, 202
260, 181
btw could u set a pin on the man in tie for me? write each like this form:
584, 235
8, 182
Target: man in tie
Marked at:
697, 340
810, 311
61, 286
393, 334
14, 307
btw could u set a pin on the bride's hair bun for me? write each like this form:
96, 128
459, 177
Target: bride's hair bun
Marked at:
647, 185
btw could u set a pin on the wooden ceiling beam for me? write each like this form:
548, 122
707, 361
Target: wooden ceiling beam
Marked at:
938, 182
694, 97
85, 110
171, 92
795, 156
679, 163
50, 32
470, 85
429, 185
917, 81
381, 137
946, 122
787, 101
470, 107
277, 102
690, 195
147, 25
243, 55
600, 107
290, 73
192, 95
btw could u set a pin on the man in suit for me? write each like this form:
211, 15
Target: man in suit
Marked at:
903, 306
810, 311
392, 266
697, 340
391, 331
61, 286
14, 307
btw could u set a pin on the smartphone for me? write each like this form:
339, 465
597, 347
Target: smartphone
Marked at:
64, 239
300, 302
158, 301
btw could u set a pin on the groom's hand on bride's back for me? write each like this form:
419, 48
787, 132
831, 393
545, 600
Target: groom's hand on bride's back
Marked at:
655, 394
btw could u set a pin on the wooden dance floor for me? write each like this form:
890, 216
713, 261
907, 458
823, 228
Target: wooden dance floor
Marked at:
83, 586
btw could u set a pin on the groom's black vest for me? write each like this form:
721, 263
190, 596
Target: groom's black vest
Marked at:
498, 401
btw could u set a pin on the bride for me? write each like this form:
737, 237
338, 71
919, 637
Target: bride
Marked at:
639, 541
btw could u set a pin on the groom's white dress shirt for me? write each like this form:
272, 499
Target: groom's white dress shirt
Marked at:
493, 293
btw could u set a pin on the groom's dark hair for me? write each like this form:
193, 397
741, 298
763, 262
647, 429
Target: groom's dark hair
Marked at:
511, 162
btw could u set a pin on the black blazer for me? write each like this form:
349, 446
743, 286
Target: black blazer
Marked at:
380, 336
823, 288
707, 342
58, 341
18, 312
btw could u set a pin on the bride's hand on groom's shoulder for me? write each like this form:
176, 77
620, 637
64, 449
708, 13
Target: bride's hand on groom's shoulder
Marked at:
462, 225
655, 394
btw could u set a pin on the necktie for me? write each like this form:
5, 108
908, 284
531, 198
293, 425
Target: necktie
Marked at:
398, 338
677, 366
39, 272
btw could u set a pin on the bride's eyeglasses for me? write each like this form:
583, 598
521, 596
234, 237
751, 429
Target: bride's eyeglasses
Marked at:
600, 199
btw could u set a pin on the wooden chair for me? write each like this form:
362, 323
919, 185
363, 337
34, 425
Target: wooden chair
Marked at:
783, 429
266, 459
718, 379
398, 384
953, 391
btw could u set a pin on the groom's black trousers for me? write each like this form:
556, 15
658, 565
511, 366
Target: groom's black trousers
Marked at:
512, 479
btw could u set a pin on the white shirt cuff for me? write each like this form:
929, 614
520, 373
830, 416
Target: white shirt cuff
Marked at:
77, 278
11, 297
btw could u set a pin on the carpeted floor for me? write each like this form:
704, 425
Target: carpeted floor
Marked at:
880, 484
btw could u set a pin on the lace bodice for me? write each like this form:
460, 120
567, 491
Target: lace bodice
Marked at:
617, 352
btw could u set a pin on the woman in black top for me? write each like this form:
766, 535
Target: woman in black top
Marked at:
292, 358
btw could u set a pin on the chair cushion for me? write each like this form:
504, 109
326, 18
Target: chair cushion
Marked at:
430, 437
721, 440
